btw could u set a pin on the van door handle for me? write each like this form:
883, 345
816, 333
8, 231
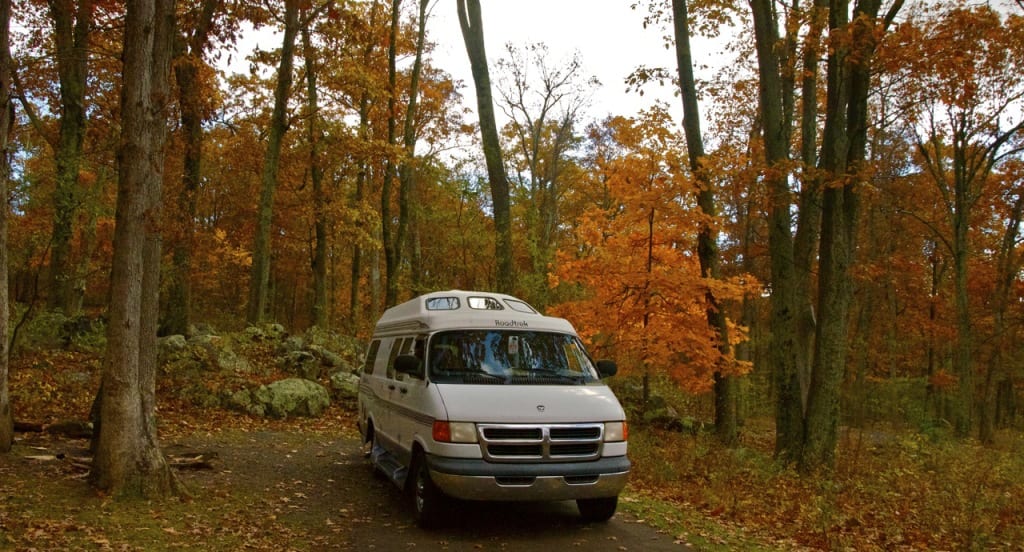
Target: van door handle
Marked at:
404, 390
392, 387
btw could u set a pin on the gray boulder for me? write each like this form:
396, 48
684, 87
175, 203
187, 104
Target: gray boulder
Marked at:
301, 363
329, 358
265, 332
227, 360
345, 385
172, 344
283, 398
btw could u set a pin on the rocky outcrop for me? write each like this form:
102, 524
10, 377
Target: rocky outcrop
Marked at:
214, 371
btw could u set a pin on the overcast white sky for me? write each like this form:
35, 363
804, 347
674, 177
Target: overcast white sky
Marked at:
608, 35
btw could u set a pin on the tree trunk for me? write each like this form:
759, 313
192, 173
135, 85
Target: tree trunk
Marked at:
320, 199
392, 249
1007, 268
963, 349
406, 177
71, 28
473, 36
189, 59
844, 150
259, 282
355, 305
805, 241
6, 414
128, 460
726, 416
784, 348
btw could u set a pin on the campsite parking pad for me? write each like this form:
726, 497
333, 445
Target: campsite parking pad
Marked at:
324, 490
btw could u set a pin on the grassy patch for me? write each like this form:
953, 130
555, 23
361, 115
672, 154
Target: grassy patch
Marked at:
901, 491
691, 526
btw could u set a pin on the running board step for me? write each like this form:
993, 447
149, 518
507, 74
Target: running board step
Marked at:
389, 465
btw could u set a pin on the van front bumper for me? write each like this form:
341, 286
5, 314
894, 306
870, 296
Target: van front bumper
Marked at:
475, 479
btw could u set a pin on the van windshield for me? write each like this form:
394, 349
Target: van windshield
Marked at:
508, 357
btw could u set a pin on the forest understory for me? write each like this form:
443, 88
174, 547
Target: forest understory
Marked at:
892, 489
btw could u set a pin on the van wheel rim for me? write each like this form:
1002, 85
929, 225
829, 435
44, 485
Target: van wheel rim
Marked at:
420, 490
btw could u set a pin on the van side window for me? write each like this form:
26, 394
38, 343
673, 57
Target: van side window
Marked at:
419, 351
371, 356
399, 347
484, 303
396, 345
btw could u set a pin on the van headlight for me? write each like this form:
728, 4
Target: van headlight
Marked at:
616, 431
454, 432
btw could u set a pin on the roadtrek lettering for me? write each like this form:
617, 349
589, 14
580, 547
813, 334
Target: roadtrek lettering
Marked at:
511, 324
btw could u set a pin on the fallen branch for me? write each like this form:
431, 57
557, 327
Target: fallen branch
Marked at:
194, 461
186, 461
71, 429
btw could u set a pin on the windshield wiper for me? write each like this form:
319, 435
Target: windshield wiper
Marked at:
556, 375
469, 377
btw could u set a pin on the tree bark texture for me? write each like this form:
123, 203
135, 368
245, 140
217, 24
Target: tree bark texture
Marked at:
844, 149
259, 282
71, 27
784, 352
6, 414
473, 36
808, 227
128, 460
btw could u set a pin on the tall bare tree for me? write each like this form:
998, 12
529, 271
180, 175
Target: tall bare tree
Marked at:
471, 22
128, 460
544, 102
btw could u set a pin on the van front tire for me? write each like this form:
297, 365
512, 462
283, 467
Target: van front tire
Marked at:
597, 509
429, 503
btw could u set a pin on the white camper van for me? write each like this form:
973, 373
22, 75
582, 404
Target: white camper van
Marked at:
478, 396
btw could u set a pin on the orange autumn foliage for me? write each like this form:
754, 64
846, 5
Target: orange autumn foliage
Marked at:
633, 263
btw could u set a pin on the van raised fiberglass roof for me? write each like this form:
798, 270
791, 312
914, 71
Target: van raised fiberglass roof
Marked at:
465, 309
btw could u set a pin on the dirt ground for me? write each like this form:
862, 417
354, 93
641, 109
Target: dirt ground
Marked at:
273, 486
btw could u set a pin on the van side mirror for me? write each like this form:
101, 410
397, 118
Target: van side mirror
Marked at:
409, 364
606, 368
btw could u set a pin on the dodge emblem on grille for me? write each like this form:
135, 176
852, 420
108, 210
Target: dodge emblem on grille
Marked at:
540, 408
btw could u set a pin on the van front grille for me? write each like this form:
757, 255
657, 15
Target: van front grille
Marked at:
540, 443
